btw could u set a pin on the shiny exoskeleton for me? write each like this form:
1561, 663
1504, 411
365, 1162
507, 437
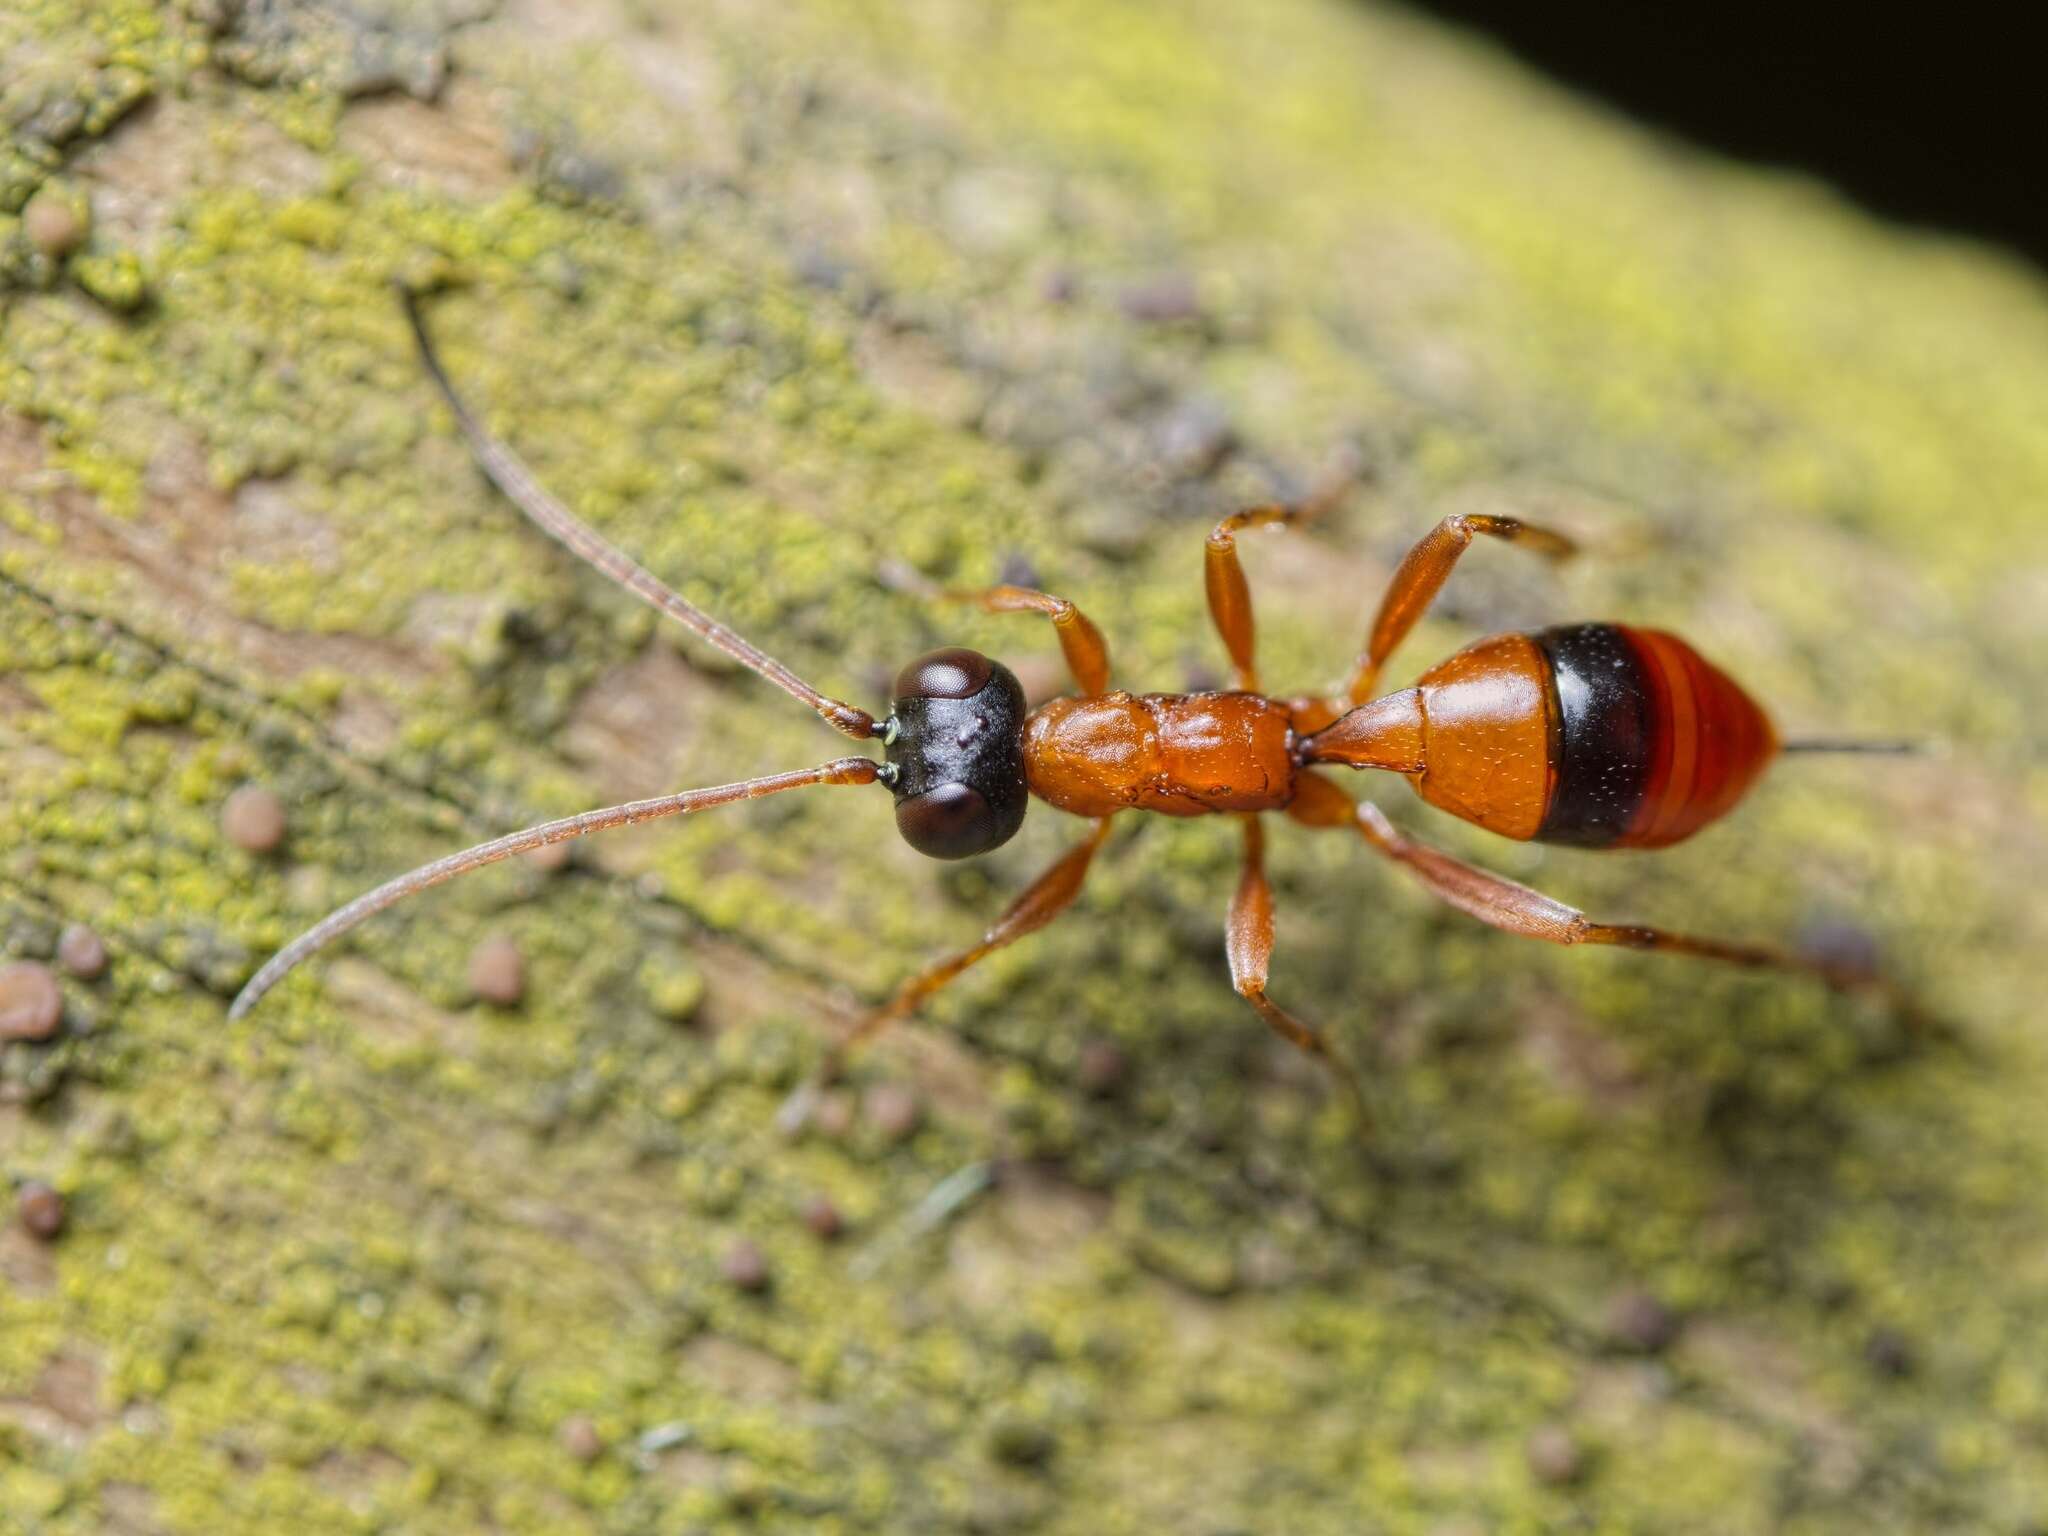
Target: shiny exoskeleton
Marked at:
1596, 735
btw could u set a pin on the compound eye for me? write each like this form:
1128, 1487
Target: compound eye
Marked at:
953, 821
954, 673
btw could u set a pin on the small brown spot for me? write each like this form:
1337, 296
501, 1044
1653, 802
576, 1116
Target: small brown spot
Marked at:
1062, 285
579, 1437
1638, 1321
823, 1218
1842, 946
41, 1209
549, 857
1101, 1068
1162, 300
1554, 1456
497, 972
892, 1109
55, 225
834, 1115
1021, 1442
745, 1267
1265, 1265
1196, 438
82, 952
1889, 1352
253, 818
31, 1006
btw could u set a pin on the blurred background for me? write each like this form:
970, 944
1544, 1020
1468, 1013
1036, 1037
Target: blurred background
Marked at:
483, 1223
1933, 125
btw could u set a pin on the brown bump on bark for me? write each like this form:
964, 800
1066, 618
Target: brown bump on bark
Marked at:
823, 1218
82, 952
31, 1006
579, 1437
1554, 1456
892, 1109
253, 819
41, 1209
745, 1267
497, 972
54, 224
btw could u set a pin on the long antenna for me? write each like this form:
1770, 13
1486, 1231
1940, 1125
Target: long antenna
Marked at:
508, 472
847, 770
1902, 747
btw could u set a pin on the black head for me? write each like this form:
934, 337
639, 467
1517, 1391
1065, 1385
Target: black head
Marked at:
955, 747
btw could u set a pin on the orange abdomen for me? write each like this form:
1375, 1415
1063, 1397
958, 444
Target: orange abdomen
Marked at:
1489, 735
1182, 754
1592, 734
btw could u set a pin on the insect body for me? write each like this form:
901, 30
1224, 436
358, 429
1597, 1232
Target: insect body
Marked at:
1180, 754
1595, 734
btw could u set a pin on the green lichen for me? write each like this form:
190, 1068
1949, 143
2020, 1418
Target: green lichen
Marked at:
351, 1264
115, 278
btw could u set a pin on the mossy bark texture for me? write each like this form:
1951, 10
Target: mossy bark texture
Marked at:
790, 299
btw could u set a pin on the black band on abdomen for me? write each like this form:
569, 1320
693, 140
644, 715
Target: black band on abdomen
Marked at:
1606, 713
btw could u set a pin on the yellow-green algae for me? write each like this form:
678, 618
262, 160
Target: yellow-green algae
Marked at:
761, 286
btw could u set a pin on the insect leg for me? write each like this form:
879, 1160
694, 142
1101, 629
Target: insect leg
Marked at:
1080, 641
1042, 901
1230, 597
1421, 576
1248, 938
1513, 908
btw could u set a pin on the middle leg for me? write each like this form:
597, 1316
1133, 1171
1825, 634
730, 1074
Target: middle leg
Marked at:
1042, 901
1230, 595
1080, 641
1248, 938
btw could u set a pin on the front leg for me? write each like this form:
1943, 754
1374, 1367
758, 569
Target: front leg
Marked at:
1042, 901
1080, 641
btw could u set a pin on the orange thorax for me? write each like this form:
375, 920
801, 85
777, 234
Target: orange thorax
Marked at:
1182, 754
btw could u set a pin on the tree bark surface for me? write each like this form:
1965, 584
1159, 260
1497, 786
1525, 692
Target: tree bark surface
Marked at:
793, 301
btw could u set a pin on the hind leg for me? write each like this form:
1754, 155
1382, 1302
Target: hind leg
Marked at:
1502, 903
1422, 575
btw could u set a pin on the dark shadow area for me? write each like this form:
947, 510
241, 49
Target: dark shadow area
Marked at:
1931, 118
